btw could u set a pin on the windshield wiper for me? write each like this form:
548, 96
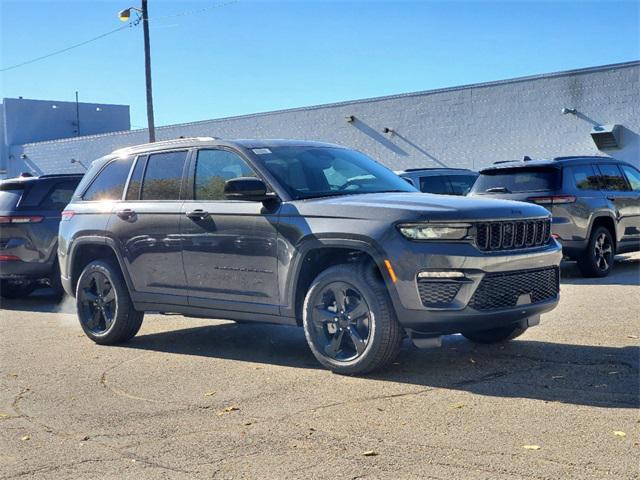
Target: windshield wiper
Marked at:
497, 190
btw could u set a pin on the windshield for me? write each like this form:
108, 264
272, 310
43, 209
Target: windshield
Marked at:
514, 180
308, 172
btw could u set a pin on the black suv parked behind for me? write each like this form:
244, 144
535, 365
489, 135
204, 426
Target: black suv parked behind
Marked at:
29, 217
300, 233
595, 202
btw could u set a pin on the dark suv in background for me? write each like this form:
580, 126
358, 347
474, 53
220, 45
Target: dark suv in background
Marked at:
300, 233
595, 202
30, 209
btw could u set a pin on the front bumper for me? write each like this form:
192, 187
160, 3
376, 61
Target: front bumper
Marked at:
457, 313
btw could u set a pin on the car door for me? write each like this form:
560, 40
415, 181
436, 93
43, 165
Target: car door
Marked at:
146, 225
230, 246
633, 178
623, 199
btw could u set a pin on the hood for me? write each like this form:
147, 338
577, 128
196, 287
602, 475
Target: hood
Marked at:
417, 207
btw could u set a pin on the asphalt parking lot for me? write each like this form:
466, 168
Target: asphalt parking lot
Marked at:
211, 399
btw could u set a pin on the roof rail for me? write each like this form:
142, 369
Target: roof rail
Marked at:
54, 175
418, 169
176, 142
579, 157
499, 162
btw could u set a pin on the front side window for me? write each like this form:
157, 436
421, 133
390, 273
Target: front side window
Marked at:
59, 196
309, 172
434, 184
109, 184
633, 176
585, 177
213, 169
612, 178
163, 176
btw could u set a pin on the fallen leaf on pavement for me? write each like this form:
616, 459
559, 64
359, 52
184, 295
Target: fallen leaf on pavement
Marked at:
632, 336
370, 453
531, 447
25, 438
456, 405
472, 360
4, 415
208, 394
557, 376
227, 410
619, 433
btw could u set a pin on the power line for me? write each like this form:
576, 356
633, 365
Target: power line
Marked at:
111, 32
71, 47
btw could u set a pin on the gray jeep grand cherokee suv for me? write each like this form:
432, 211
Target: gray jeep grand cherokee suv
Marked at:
300, 233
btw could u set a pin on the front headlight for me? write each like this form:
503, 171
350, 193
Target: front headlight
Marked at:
427, 231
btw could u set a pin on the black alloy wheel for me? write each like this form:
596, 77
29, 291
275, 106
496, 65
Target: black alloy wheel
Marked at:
97, 303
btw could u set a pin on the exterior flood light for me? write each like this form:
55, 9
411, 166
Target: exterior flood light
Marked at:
567, 111
606, 136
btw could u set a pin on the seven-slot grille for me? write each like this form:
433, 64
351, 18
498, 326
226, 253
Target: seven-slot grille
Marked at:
513, 235
502, 290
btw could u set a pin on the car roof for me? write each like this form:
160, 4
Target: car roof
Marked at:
217, 142
435, 170
33, 179
557, 162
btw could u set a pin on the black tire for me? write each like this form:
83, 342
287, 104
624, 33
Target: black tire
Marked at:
10, 290
369, 340
104, 306
495, 335
597, 260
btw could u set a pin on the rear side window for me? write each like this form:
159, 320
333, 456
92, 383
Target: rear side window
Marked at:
633, 176
109, 184
461, 184
10, 197
163, 176
213, 169
612, 178
511, 180
434, 184
585, 177
59, 196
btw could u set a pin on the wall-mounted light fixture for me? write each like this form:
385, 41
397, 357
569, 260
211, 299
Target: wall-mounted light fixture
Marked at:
24, 156
73, 160
567, 111
350, 118
388, 130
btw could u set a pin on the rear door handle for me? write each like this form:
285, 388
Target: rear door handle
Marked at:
197, 214
611, 197
125, 214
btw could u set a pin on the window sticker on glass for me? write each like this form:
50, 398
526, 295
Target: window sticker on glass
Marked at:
261, 151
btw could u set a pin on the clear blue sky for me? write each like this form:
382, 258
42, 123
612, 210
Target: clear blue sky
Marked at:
254, 56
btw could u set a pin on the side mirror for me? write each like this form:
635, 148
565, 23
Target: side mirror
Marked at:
246, 188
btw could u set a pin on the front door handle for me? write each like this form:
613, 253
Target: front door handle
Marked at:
125, 214
197, 214
611, 197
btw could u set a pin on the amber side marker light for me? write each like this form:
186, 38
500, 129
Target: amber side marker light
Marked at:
392, 274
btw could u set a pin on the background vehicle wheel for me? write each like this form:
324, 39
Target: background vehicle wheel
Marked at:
495, 335
598, 258
16, 289
349, 321
104, 306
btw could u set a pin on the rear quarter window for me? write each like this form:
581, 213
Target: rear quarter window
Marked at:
9, 197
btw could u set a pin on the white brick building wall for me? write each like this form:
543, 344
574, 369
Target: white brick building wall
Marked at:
470, 126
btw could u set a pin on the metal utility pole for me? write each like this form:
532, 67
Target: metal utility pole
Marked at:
77, 115
147, 71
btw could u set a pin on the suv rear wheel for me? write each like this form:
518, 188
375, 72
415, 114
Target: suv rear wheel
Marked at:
598, 258
104, 306
349, 321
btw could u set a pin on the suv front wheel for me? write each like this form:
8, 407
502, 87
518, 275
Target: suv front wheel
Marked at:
349, 321
104, 306
597, 260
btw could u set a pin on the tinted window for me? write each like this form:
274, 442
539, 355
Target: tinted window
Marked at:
59, 196
612, 178
633, 176
434, 184
213, 169
163, 176
109, 184
517, 180
461, 184
9, 197
307, 172
135, 182
585, 177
